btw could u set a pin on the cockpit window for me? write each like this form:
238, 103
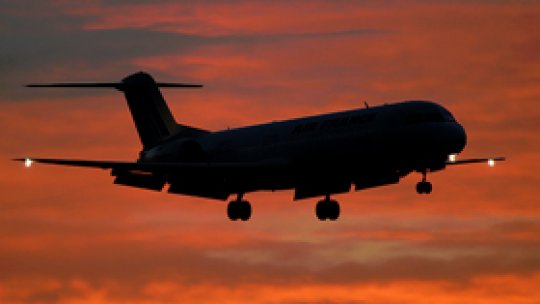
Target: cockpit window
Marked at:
447, 115
435, 116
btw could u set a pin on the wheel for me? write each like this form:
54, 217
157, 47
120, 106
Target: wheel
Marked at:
233, 210
420, 187
427, 188
321, 210
327, 210
333, 210
239, 210
424, 187
244, 210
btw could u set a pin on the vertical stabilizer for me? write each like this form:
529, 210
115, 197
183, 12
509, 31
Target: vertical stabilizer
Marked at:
153, 119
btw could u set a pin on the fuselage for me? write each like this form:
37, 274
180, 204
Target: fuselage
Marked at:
316, 156
354, 146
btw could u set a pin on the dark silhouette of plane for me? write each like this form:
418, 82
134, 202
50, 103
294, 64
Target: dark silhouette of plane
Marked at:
317, 156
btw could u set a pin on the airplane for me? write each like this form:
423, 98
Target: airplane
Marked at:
316, 156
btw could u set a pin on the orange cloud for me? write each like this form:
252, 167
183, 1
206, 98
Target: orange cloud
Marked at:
70, 236
488, 289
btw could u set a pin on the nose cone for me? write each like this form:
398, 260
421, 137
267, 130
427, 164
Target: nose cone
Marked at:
457, 138
441, 139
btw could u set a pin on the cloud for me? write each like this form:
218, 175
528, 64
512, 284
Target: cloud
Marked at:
65, 47
69, 235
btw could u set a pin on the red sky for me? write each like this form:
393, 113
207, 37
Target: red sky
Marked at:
69, 235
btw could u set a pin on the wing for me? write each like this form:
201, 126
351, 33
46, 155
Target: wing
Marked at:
204, 179
147, 167
490, 161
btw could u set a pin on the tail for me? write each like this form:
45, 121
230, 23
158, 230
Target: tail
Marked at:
153, 118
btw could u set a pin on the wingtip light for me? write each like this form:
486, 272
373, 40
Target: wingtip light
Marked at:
28, 162
491, 162
452, 158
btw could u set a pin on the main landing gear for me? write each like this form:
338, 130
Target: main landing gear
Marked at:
424, 187
239, 209
327, 209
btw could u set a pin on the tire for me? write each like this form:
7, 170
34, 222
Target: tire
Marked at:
321, 210
244, 210
420, 187
233, 210
333, 210
428, 188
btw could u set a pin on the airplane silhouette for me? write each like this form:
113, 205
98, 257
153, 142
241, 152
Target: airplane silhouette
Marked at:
317, 156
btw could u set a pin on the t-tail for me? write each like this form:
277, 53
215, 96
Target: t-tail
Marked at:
151, 115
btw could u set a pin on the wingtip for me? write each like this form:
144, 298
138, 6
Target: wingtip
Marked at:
27, 161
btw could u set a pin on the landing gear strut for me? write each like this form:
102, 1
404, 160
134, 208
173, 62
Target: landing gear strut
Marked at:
327, 209
239, 209
424, 187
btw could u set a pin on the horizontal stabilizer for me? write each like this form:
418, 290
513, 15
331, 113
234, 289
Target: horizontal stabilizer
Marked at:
116, 85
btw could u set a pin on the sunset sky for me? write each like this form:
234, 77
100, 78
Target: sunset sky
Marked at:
68, 235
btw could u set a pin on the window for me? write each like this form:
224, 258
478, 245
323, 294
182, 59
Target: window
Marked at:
426, 117
447, 115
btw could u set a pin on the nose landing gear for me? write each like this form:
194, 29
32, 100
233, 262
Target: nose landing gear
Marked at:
424, 187
239, 209
327, 209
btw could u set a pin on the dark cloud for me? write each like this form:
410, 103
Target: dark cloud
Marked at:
43, 41
35, 56
38, 53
